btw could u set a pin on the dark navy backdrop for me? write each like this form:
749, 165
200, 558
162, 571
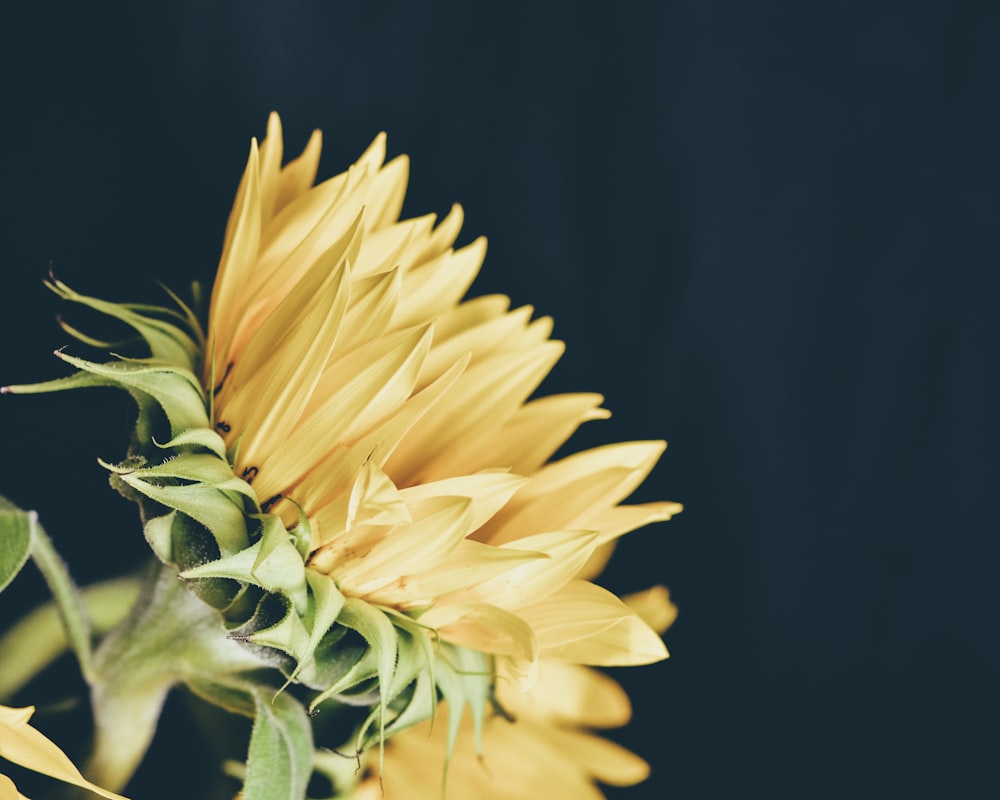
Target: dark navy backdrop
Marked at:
767, 233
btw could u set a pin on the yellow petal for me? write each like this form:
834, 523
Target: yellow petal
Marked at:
534, 581
386, 248
481, 340
27, 747
338, 468
540, 427
489, 491
484, 627
8, 791
579, 610
446, 232
467, 565
273, 382
272, 150
373, 302
409, 548
569, 694
570, 492
299, 225
238, 255
385, 198
608, 762
471, 314
439, 284
485, 395
351, 396
654, 607
298, 175
629, 642
614, 522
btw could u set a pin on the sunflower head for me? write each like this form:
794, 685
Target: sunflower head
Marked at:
346, 461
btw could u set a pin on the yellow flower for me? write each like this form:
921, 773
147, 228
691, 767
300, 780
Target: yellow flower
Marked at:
358, 385
541, 748
353, 451
23, 745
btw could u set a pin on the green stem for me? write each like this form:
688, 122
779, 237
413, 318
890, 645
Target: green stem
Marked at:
39, 638
67, 598
169, 636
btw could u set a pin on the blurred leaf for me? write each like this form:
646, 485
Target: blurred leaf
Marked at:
279, 762
16, 531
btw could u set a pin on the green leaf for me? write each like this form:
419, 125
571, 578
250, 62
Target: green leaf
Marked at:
16, 530
234, 698
279, 761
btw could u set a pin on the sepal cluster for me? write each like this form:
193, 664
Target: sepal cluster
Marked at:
207, 521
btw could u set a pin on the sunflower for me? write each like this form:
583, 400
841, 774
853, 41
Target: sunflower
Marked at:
349, 464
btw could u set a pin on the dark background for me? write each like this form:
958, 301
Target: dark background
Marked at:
767, 233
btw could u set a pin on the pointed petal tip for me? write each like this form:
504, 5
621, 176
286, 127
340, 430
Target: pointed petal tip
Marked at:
403, 160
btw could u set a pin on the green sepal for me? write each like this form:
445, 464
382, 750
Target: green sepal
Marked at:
159, 535
175, 389
272, 563
410, 665
464, 678
16, 535
238, 566
286, 635
336, 654
165, 340
157, 390
103, 344
383, 647
201, 469
186, 314
272, 624
190, 546
358, 684
279, 566
418, 707
326, 603
217, 505
197, 437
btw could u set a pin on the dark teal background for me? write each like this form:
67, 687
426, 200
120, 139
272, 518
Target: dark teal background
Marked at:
768, 234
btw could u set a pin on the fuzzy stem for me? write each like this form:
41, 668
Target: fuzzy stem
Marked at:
66, 596
39, 638
169, 636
